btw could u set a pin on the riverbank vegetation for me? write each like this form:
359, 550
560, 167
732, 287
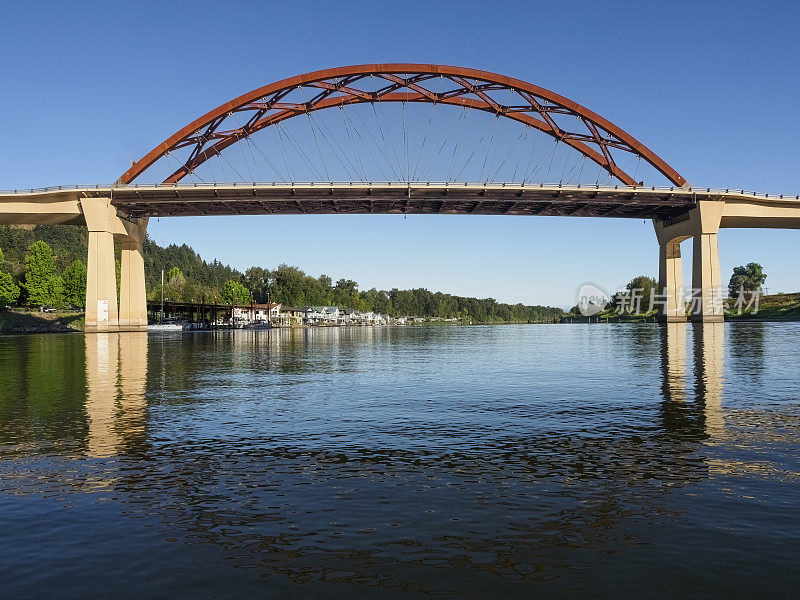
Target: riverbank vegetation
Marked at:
57, 279
24, 321
746, 281
775, 307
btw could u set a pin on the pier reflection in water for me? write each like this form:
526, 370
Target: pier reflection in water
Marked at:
116, 386
474, 462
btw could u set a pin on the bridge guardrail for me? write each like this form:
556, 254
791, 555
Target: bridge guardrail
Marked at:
553, 186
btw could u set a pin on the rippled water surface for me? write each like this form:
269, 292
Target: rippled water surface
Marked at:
476, 462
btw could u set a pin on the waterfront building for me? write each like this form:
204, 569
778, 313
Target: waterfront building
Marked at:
256, 313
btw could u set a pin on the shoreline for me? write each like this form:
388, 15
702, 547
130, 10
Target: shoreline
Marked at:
23, 322
16, 322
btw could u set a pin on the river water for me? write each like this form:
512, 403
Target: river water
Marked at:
477, 462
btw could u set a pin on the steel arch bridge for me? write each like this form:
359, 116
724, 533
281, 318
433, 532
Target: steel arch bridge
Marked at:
121, 211
524, 102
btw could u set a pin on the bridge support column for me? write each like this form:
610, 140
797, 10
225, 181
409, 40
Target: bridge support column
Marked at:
702, 224
101, 278
707, 293
670, 282
132, 293
102, 311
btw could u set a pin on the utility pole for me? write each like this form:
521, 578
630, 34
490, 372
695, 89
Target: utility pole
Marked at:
269, 308
162, 294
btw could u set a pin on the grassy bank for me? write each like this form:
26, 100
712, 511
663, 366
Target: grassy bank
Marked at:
22, 321
776, 307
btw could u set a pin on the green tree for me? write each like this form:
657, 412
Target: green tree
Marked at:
56, 291
9, 291
234, 292
641, 291
176, 276
118, 272
748, 278
177, 289
39, 275
75, 284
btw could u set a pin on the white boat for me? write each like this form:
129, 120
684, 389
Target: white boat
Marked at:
165, 326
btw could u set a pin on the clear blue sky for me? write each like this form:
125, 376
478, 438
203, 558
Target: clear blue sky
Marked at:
712, 87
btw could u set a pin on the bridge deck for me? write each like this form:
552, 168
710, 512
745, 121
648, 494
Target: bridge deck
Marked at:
387, 198
286, 199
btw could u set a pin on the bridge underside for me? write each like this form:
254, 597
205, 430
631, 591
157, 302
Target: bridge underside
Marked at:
398, 199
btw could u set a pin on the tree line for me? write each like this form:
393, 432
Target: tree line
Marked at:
643, 291
39, 283
47, 264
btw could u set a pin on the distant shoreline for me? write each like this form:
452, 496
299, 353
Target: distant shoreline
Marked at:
22, 322
17, 322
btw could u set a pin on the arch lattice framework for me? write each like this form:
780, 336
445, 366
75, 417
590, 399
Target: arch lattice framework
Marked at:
533, 106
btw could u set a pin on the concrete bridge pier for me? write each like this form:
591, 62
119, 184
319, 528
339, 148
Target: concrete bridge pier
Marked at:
670, 282
706, 280
132, 293
102, 311
702, 225
707, 292
101, 278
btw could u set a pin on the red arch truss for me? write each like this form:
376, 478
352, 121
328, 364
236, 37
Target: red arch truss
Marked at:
533, 105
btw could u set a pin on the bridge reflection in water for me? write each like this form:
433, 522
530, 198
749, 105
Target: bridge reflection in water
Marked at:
117, 374
708, 352
408, 498
116, 388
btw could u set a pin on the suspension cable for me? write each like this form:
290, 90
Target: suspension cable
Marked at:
251, 144
235, 170
458, 144
341, 153
510, 152
489, 147
347, 124
519, 154
405, 144
316, 143
284, 154
301, 153
492, 124
552, 159
536, 137
375, 142
390, 137
424, 140
428, 165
